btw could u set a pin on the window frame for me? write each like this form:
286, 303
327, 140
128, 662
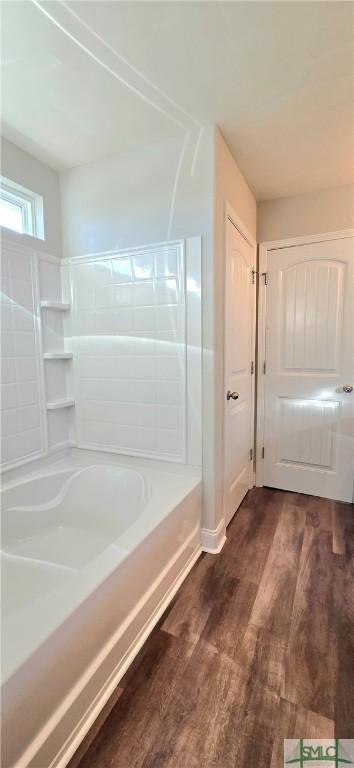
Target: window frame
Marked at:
30, 205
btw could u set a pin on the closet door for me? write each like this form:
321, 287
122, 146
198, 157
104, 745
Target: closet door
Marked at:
239, 366
309, 380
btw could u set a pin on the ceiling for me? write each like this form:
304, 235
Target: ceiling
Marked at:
87, 79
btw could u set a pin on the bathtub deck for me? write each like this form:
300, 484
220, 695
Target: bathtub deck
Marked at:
257, 646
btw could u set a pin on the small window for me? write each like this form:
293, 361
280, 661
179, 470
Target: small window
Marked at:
20, 209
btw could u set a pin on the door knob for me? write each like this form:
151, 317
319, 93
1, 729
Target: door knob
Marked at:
232, 395
347, 388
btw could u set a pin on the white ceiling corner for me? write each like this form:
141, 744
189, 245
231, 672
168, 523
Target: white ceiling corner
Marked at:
87, 79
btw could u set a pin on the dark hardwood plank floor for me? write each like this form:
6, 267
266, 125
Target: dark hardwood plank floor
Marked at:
273, 604
312, 680
256, 647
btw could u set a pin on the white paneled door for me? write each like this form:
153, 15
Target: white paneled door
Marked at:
309, 369
239, 367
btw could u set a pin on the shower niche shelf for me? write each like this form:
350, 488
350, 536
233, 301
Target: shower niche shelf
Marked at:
58, 355
59, 306
66, 402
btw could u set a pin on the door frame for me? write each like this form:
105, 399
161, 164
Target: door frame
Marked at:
264, 249
231, 215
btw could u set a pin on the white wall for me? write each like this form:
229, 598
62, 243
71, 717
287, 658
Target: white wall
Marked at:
326, 210
126, 200
24, 169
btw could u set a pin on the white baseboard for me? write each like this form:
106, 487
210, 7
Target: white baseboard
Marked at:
82, 728
213, 540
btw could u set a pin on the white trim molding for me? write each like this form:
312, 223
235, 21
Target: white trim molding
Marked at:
238, 223
136, 249
288, 242
213, 540
261, 364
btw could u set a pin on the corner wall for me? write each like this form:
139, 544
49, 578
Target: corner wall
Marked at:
313, 213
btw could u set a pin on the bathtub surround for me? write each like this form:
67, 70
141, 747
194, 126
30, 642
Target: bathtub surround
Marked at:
97, 577
122, 346
88, 577
24, 434
96, 584
136, 328
57, 354
34, 354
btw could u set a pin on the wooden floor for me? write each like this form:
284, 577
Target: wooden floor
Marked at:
257, 646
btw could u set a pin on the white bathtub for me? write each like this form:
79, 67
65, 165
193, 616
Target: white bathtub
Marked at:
93, 550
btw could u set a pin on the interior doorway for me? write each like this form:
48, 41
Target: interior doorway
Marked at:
305, 366
239, 363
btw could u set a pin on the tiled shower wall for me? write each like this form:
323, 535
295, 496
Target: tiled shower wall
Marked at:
29, 381
134, 383
130, 352
22, 399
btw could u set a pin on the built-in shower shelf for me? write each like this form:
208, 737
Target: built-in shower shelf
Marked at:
57, 355
66, 402
57, 305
